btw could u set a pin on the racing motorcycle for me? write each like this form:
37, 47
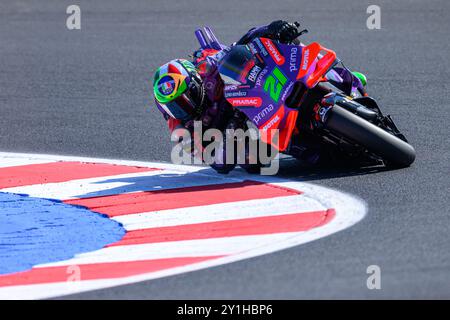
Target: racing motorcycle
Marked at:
304, 92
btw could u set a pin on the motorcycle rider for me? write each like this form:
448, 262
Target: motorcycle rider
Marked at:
186, 91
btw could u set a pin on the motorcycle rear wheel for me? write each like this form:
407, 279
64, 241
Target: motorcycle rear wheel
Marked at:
360, 131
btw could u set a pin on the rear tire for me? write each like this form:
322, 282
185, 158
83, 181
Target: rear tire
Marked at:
368, 135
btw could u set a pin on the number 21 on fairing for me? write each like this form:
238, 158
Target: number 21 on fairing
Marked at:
274, 84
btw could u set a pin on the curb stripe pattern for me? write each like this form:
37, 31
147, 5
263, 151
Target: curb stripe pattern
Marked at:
58, 172
232, 228
125, 204
177, 218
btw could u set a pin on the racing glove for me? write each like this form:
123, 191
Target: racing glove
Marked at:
284, 31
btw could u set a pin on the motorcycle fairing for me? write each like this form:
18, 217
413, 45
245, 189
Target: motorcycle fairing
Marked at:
260, 76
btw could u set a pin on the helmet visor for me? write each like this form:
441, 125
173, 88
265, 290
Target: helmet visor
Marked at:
182, 108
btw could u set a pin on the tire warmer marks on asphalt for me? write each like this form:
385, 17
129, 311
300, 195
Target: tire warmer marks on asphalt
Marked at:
177, 218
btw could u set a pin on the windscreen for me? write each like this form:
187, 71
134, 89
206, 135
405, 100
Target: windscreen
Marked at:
236, 65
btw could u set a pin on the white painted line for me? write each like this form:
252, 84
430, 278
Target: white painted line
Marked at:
15, 161
117, 184
175, 249
220, 212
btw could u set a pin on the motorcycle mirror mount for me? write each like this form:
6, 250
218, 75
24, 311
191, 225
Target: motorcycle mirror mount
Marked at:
297, 24
297, 35
302, 32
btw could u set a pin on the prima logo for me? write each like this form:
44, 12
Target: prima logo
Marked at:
261, 75
261, 115
293, 59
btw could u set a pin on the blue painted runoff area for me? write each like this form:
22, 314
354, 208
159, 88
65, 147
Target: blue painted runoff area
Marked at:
35, 231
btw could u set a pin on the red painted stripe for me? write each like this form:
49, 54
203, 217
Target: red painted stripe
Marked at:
60, 172
97, 271
137, 202
242, 227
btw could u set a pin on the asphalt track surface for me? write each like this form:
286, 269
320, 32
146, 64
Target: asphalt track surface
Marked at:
87, 93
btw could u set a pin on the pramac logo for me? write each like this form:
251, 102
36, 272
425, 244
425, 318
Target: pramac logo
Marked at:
245, 102
273, 51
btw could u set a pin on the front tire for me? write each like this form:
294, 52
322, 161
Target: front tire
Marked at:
368, 135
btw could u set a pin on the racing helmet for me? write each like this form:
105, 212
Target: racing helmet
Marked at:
178, 88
